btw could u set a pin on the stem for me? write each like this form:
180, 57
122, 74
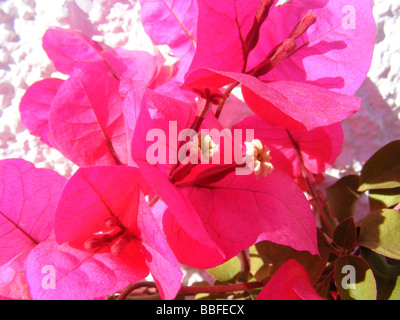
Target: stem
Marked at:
154, 200
226, 94
310, 186
325, 281
196, 124
193, 290
111, 149
126, 291
221, 289
246, 264
315, 197
196, 127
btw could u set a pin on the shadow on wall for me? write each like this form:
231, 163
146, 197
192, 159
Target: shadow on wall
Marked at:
86, 16
79, 20
373, 126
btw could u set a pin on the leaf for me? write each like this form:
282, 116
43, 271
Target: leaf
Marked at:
345, 234
28, 202
354, 279
387, 275
293, 105
227, 271
86, 120
172, 23
35, 107
290, 282
381, 171
267, 257
319, 148
383, 198
380, 232
343, 195
342, 39
239, 211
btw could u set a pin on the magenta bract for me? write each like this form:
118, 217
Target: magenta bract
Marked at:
290, 282
29, 197
102, 210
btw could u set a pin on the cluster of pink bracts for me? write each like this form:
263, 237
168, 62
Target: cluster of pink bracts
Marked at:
119, 217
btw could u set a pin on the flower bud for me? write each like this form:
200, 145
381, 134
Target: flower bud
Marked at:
308, 20
120, 244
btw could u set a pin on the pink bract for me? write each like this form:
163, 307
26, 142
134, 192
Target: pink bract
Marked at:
35, 107
13, 283
86, 119
293, 105
221, 29
341, 39
79, 275
147, 111
239, 211
68, 48
290, 282
28, 201
172, 23
319, 148
97, 196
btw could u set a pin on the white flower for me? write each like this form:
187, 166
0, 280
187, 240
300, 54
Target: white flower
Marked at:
203, 146
258, 158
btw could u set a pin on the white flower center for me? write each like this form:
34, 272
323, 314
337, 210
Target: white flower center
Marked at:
258, 158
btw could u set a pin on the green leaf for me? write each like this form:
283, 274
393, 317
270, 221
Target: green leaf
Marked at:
380, 232
227, 271
345, 234
343, 195
386, 272
382, 170
383, 198
267, 257
354, 279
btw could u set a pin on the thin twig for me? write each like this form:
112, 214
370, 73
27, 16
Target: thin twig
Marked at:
310, 186
226, 94
246, 264
325, 281
193, 290
126, 291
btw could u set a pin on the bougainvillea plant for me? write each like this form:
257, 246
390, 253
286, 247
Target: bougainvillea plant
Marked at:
215, 162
